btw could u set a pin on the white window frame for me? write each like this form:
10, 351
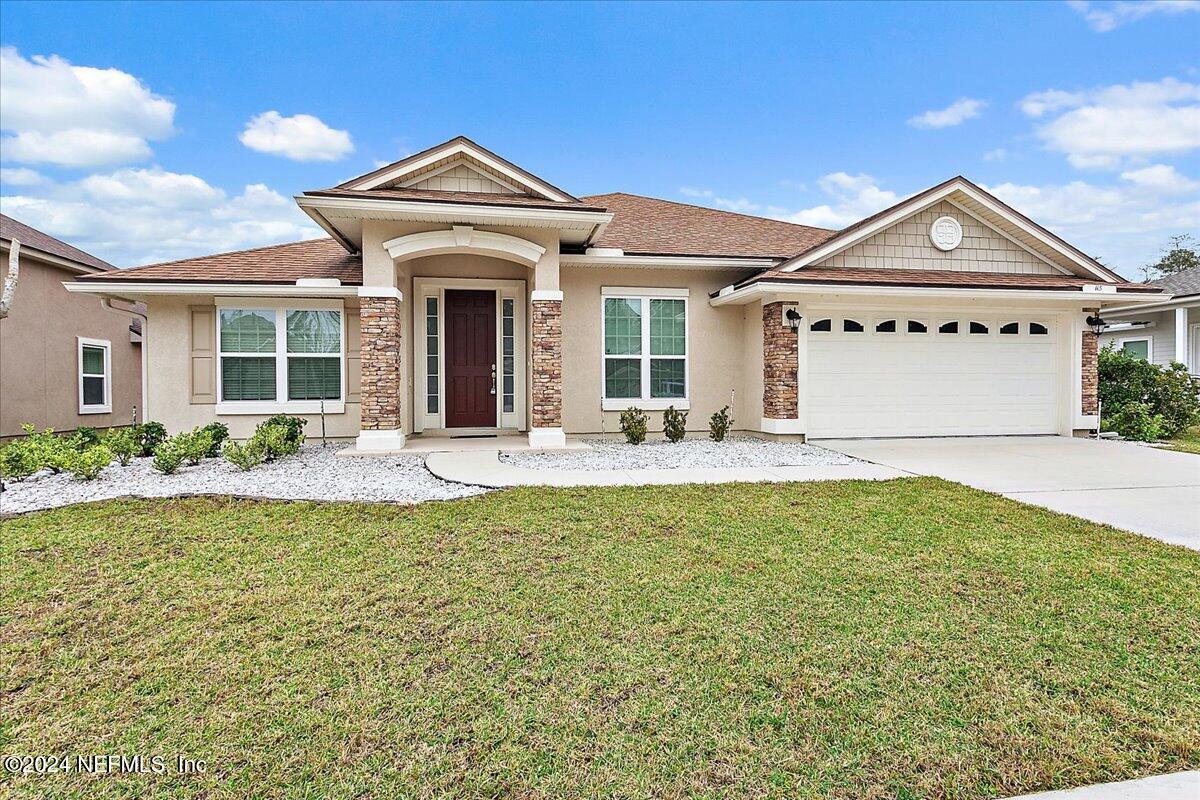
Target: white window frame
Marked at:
877, 321
646, 402
938, 323
106, 346
920, 321
1147, 339
280, 405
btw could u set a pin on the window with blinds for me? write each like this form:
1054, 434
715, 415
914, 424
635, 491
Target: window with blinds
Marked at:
272, 354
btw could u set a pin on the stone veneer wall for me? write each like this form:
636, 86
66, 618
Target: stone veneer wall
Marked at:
781, 386
381, 368
1091, 373
547, 364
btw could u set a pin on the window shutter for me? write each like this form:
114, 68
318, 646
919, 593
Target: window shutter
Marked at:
353, 356
203, 339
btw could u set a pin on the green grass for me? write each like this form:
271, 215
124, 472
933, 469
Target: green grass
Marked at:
913, 638
1186, 442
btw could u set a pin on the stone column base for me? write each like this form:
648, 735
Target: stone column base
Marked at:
379, 440
789, 426
547, 438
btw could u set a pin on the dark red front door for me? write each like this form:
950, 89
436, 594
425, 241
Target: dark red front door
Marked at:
470, 359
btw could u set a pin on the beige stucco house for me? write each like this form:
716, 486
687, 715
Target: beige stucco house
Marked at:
459, 294
66, 360
1161, 332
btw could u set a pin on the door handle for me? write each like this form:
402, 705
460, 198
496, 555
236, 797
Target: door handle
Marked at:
493, 379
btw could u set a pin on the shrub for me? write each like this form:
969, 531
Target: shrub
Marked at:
1175, 399
169, 455
1169, 393
47, 451
18, 460
673, 424
244, 456
218, 432
633, 424
279, 436
85, 465
194, 445
151, 435
719, 424
124, 444
1135, 421
84, 438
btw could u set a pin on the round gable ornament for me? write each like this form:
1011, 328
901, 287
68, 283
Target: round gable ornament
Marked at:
945, 233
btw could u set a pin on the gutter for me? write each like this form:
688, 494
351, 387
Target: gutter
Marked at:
736, 296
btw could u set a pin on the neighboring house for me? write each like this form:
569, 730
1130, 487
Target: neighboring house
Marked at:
460, 294
1165, 331
66, 360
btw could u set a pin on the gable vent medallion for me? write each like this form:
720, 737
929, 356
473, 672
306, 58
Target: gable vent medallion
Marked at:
945, 233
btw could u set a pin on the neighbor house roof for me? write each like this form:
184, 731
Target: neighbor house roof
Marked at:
1181, 284
934, 278
34, 239
281, 263
648, 226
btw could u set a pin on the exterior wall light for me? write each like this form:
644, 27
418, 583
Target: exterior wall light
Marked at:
791, 318
1096, 324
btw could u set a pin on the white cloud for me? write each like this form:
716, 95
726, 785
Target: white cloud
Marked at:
21, 176
302, 137
140, 216
999, 154
1162, 178
956, 113
59, 113
852, 198
1104, 17
1100, 127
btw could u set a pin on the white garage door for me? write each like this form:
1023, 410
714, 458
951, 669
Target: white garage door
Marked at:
925, 374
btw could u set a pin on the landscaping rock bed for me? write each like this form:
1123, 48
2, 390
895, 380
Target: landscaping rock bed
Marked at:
735, 451
316, 473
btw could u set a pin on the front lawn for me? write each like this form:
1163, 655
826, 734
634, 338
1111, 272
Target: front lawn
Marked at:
1186, 442
913, 638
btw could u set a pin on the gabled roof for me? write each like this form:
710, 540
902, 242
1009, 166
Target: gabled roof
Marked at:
649, 226
1181, 284
460, 148
34, 239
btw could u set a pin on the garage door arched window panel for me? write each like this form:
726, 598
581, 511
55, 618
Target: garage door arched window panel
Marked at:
1010, 329
887, 326
977, 328
948, 327
821, 326
917, 326
95, 375
645, 346
851, 326
1038, 329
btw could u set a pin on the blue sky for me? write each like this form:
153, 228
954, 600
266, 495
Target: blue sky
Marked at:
145, 132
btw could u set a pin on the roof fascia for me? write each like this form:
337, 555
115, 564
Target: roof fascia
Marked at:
456, 210
754, 291
678, 262
138, 288
58, 261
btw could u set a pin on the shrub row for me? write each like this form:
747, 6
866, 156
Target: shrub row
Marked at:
634, 424
274, 438
1143, 401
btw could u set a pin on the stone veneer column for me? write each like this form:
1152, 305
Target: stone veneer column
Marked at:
781, 385
546, 390
1090, 374
382, 374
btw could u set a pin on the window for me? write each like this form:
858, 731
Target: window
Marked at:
887, 326
276, 355
851, 326
508, 345
431, 355
950, 326
916, 326
978, 328
645, 349
1038, 329
95, 370
1010, 329
1138, 348
821, 326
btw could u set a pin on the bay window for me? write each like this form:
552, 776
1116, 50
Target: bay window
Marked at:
645, 348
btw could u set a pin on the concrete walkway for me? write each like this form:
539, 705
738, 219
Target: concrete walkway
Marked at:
484, 468
1141, 489
1178, 786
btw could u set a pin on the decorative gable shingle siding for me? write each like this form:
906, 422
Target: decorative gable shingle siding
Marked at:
906, 245
462, 179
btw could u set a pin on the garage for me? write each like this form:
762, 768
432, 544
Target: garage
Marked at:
931, 374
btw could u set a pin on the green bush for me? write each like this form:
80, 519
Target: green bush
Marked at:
1135, 421
244, 456
47, 450
124, 444
633, 424
218, 432
194, 445
169, 455
280, 436
1176, 400
1168, 393
151, 435
719, 424
84, 438
85, 465
18, 460
673, 424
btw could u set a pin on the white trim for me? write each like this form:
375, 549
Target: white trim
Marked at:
644, 296
774, 291
649, 404
456, 212
1181, 337
379, 440
1149, 340
546, 295
318, 282
548, 438
593, 259
1161, 302
1118, 327
129, 287
1193, 362
381, 291
462, 162
235, 408
782, 426
106, 346
638, 291
464, 238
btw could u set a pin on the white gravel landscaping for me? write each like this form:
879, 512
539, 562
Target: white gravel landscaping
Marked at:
735, 451
315, 473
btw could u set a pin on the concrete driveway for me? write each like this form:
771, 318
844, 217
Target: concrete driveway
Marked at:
1141, 489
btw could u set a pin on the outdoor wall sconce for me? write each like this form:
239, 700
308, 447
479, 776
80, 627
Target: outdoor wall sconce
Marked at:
791, 318
1096, 324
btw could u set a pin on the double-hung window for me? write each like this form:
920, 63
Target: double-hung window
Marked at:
95, 376
279, 359
645, 348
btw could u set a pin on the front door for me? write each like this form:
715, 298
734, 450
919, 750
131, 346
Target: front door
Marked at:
470, 320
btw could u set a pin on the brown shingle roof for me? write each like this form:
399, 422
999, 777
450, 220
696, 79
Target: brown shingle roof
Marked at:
934, 278
648, 226
281, 263
470, 198
31, 237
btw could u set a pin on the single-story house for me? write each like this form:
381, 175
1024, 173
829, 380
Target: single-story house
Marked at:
66, 360
459, 294
1164, 331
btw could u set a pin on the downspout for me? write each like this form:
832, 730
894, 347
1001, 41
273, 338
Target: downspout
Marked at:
106, 303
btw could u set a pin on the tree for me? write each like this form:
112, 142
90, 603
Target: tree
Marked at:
10, 280
1179, 255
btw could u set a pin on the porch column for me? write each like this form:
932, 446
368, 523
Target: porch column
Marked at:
1090, 373
1181, 340
382, 369
546, 387
781, 382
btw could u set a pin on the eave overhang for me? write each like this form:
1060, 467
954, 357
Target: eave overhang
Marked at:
128, 289
767, 291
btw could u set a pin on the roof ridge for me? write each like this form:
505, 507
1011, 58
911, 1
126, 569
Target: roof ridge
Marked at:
709, 208
233, 253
